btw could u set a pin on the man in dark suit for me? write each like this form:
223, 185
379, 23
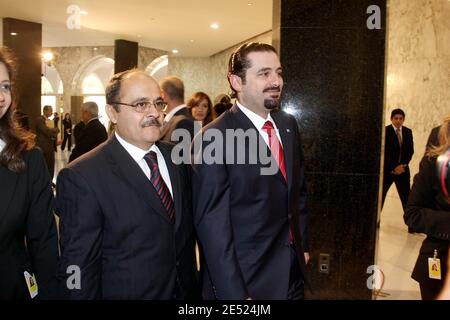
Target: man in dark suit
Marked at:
177, 114
398, 151
92, 135
252, 220
46, 136
126, 212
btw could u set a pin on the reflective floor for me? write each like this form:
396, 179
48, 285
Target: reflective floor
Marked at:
397, 252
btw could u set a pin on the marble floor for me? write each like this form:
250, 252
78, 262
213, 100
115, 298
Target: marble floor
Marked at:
397, 252
397, 249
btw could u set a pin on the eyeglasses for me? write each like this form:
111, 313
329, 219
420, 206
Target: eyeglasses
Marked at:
144, 106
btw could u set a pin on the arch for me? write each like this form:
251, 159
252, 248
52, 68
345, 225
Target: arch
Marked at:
101, 66
158, 67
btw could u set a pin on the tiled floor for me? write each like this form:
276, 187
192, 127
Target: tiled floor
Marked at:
397, 252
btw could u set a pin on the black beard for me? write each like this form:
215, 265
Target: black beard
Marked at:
271, 104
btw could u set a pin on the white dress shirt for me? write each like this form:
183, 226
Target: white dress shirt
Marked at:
172, 112
138, 155
259, 122
2, 145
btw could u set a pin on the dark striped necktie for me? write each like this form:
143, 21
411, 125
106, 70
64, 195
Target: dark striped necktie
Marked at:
160, 186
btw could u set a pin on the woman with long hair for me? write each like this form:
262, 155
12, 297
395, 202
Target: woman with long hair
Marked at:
200, 107
428, 212
27, 268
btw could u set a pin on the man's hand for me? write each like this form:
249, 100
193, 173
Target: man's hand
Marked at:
307, 257
399, 169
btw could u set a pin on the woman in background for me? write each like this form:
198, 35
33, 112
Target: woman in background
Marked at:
200, 106
26, 203
428, 211
67, 127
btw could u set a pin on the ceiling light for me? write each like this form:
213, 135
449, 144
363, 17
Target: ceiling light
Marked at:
13, 33
139, 36
95, 49
48, 56
191, 41
175, 51
215, 26
84, 12
249, 4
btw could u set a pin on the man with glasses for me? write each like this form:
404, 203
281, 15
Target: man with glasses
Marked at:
126, 217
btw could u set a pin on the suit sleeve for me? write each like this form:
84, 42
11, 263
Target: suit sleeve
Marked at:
303, 208
41, 235
46, 131
81, 235
211, 202
422, 214
410, 148
389, 162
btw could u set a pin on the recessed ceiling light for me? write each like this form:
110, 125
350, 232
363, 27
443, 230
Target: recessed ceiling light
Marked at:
13, 33
95, 49
48, 56
249, 4
139, 36
215, 26
191, 41
175, 51
84, 12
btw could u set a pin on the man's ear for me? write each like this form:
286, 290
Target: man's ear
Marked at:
235, 82
112, 113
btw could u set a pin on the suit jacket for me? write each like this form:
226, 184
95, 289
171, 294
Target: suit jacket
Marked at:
180, 120
45, 136
243, 218
93, 134
428, 212
26, 212
114, 227
393, 154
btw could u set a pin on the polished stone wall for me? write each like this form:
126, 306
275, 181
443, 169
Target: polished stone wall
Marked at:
418, 66
334, 82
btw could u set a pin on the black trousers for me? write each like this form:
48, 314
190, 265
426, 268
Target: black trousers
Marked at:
68, 139
401, 182
296, 289
429, 293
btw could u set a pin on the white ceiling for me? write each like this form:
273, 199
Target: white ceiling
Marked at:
160, 24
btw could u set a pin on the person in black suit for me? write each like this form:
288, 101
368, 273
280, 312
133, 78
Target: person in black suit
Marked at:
92, 135
77, 129
67, 127
28, 238
428, 212
177, 114
126, 212
398, 151
46, 136
251, 220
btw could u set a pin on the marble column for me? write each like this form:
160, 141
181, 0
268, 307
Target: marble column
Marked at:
125, 55
334, 80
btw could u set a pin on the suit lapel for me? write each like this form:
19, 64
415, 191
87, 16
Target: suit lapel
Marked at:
245, 123
287, 142
9, 181
125, 167
175, 180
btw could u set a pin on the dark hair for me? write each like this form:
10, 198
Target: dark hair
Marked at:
18, 141
173, 87
238, 62
397, 111
112, 91
195, 101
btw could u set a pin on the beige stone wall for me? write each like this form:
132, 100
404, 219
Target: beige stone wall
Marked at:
207, 74
418, 66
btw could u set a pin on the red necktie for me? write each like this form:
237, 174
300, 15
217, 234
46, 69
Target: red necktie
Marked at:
160, 186
275, 147
277, 152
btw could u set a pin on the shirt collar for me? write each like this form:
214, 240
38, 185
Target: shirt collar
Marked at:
172, 112
395, 128
135, 152
256, 119
2, 145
